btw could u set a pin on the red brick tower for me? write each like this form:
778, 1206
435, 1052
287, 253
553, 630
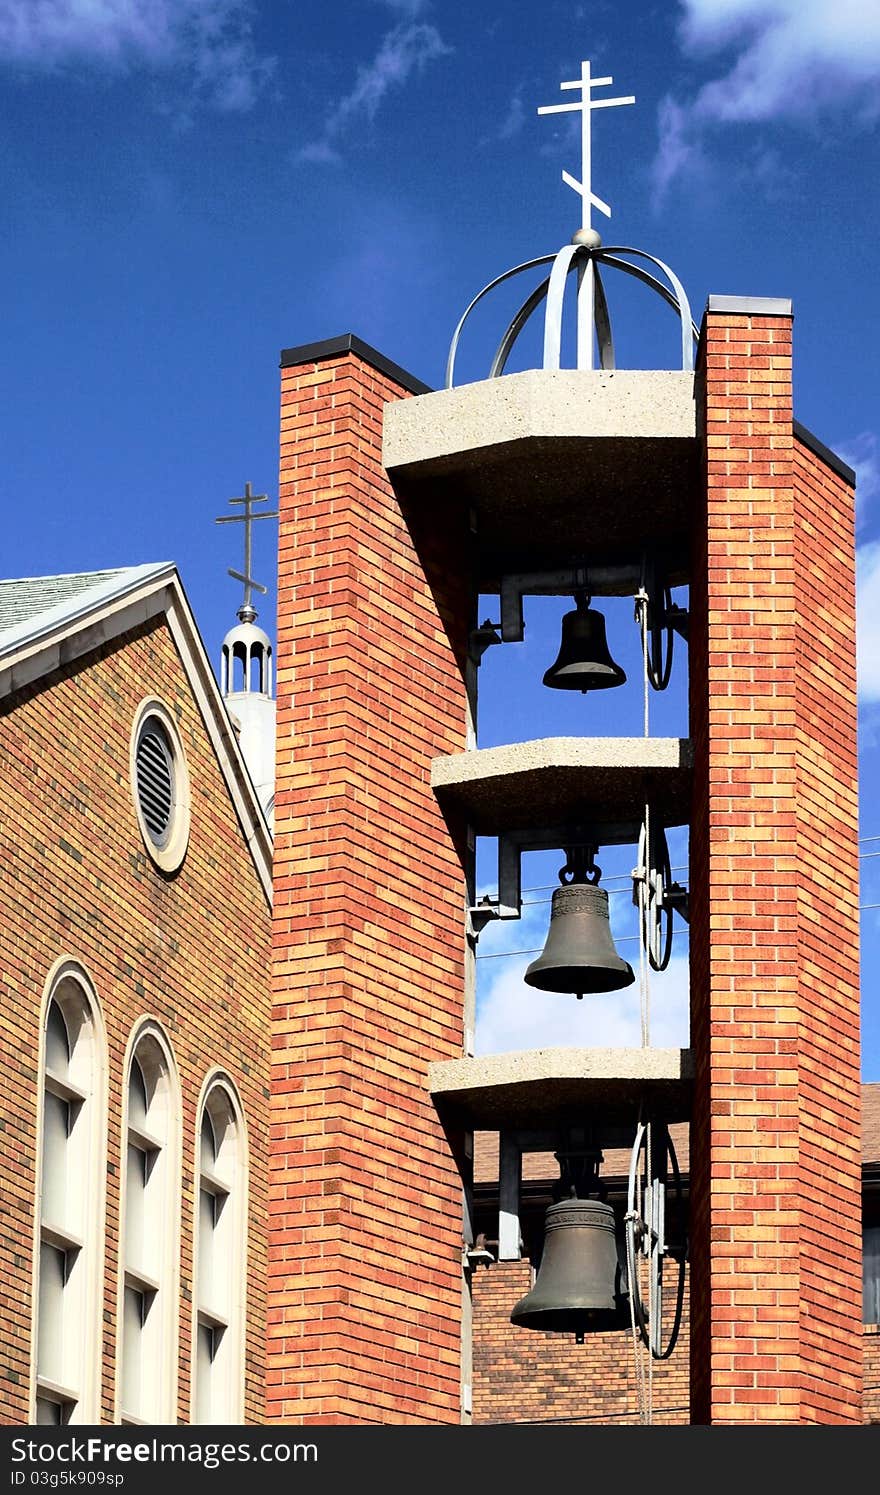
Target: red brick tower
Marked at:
399, 507
368, 956
776, 1238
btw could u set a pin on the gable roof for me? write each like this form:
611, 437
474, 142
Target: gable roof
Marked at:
31, 604
46, 622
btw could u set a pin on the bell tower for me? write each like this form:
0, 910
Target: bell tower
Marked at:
693, 492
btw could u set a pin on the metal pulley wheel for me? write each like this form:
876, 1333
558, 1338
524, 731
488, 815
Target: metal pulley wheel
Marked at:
660, 637
655, 611
653, 1159
651, 894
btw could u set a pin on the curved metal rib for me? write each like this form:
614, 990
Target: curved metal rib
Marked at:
649, 280
569, 258
680, 301
563, 263
544, 259
516, 326
603, 322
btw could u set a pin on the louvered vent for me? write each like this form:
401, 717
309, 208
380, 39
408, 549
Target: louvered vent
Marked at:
154, 765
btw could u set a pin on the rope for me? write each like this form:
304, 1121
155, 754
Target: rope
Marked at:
644, 905
632, 1268
642, 619
645, 1375
644, 884
652, 1296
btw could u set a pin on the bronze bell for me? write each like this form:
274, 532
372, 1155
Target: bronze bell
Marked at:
579, 954
579, 1283
584, 662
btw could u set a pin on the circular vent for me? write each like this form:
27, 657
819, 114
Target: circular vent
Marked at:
160, 784
154, 764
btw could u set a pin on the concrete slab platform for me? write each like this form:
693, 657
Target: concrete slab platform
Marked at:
550, 1087
554, 463
554, 780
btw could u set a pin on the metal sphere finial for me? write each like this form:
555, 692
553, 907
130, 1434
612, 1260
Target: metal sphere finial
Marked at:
587, 238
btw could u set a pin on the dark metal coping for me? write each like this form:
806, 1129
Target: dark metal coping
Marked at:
331, 347
825, 453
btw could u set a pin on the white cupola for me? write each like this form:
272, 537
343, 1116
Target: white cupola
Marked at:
246, 672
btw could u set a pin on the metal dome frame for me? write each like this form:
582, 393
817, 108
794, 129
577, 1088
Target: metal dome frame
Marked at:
582, 259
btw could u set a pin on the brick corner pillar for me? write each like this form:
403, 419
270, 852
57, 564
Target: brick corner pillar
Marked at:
368, 941
776, 1334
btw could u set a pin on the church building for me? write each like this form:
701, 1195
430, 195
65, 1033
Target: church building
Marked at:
255, 1168
137, 867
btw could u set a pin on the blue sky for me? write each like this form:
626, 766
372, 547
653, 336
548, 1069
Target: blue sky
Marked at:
190, 185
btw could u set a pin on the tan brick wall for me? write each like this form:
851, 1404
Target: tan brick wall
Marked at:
189, 949
524, 1376
829, 1089
365, 1233
872, 1374
775, 1298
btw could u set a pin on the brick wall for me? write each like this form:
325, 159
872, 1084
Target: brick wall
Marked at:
368, 947
189, 949
521, 1375
829, 1089
775, 1297
872, 1374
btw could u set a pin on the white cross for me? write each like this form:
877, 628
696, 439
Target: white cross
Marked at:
586, 104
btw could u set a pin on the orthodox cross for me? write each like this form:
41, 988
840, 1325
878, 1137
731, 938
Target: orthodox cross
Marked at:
586, 104
247, 612
572, 256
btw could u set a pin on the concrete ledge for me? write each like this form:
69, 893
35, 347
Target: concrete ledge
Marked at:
557, 779
553, 463
552, 1086
633, 403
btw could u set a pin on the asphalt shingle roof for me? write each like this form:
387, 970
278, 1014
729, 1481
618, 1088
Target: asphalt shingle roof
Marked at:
33, 605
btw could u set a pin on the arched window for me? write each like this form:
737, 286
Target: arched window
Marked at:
71, 1203
150, 1235
220, 1286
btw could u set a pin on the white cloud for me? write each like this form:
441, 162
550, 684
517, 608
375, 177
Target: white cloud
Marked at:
678, 148
406, 49
209, 41
796, 55
793, 59
513, 120
868, 618
511, 123
320, 153
409, 8
513, 1016
863, 456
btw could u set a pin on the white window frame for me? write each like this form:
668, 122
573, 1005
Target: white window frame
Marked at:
169, 856
223, 1310
78, 1231
156, 1273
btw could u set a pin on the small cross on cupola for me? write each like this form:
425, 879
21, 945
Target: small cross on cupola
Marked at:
246, 663
247, 613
